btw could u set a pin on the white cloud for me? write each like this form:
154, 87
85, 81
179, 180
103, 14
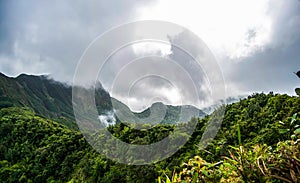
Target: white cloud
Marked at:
234, 28
150, 47
261, 36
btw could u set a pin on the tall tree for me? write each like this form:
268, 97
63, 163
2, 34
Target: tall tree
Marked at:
297, 90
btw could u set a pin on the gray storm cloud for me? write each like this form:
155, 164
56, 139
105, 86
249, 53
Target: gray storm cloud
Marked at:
272, 68
139, 79
40, 37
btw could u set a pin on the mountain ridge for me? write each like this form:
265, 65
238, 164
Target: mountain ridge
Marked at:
53, 99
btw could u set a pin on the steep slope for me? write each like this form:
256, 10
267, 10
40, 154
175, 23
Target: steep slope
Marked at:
53, 100
45, 96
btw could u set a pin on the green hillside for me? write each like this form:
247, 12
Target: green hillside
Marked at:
157, 113
258, 142
52, 99
48, 98
173, 113
34, 149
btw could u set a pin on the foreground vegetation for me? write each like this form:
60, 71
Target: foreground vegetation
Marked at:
258, 142
259, 163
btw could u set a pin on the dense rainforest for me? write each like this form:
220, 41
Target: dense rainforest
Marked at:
258, 142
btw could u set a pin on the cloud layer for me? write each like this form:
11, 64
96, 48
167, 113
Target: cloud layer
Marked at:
50, 37
256, 43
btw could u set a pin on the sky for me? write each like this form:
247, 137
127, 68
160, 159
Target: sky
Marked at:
255, 43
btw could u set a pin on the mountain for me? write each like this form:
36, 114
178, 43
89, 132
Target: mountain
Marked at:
53, 100
45, 96
173, 113
157, 113
259, 141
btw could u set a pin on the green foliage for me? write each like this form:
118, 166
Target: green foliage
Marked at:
259, 119
262, 163
173, 113
53, 100
48, 98
239, 135
297, 90
40, 150
35, 149
290, 128
259, 163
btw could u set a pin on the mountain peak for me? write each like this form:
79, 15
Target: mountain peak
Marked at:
157, 104
24, 75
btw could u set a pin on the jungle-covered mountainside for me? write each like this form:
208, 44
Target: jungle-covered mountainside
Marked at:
52, 99
257, 142
48, 98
